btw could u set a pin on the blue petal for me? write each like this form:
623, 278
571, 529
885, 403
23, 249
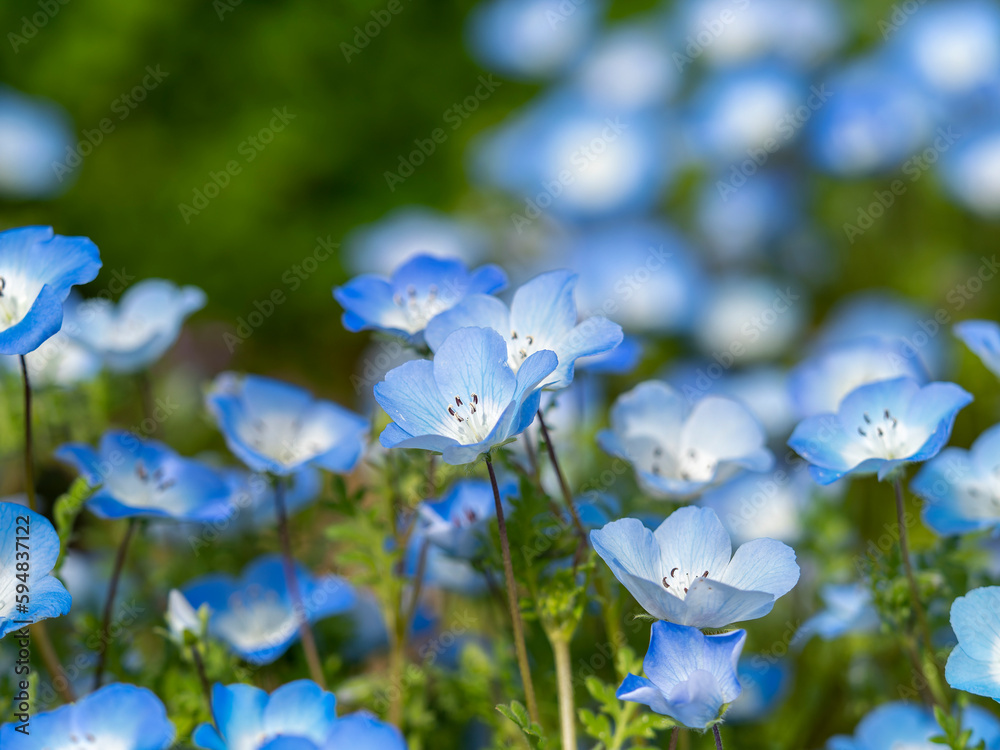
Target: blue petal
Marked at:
972, 675
362, 730
545, 306
126, 716
983, 339
475, 311
694, 540
641, 690
410, 395
633, 555
473, 361
300, 708
239, 713
763, 565
975, 619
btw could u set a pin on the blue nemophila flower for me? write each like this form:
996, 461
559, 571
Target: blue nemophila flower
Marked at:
678, 449
878, 428
983, 339
467, 401
767, 504
37, 270
765, 682
974, 665
299, 714
277, 427
137, 477
819, 383
418, 290
541, 316
849, 610
908, 726
254, 614
690, 677
458, 522
28, 566
37, 136
961, 488
968, 170
116, 717
686, 572
133, 334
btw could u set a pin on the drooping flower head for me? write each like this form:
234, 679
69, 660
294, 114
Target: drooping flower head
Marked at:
37, 270
983, 339
678, 449
116, 717
136, 332
46, 596
878, 428
541, 316
690, 677
467, 401
277, 427
961, 488
299, 715
146, 478
418, 290
254, 614
974, 665
686, 572
909, 726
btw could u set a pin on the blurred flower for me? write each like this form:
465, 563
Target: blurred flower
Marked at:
181, 617
144, 478
755, 505
35, 136
819, 383
677, 449
252, 494
877, 118
409, 231
642, 274
879, 427
116, 717
297, 715
60, 362
458, 522
970, 172
686, 572
748, 317
908, 725
136, 333
418, 290
849, 610
690, 677
37, 270
277, 427
45, 596
764, 683
254, 614
983, 339
531, 38
542, 316
961, 489
974, 665
467, 401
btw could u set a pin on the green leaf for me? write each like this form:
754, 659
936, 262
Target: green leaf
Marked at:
67, 508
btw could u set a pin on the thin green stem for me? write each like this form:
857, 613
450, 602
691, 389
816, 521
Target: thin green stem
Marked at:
718, 737
29, 441
673, 738
292, 581
199, 666
109, 603
563, 485
564, 685
515, 611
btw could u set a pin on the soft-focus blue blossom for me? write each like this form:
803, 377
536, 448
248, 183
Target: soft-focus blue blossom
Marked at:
685, 571
819, 383
621, 360
531, 38
146, 478
755, 505
764, 682
878, 428
138, 331
741, 116
689, 676
969, 171
252, 494
849, 610
46, 596
410, 231
277, 427
983, 339
467, 401
876, 119
542, 316
961, 488
60, 362
37, 270
678, 449
459, 521
35, 137
299, 714
182, 618
406, 302
442, 570
567, 158
253, 614
974, 664
642, 274
116, 717
907, 725
750, 318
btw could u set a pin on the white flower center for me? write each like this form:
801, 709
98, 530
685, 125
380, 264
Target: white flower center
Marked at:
418, 309
17, 295
255, 619
884, 435
677, 582
469, 415
285, 438
691, 466
141, 488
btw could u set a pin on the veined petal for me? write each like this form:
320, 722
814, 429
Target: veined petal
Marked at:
763, 565
475, 311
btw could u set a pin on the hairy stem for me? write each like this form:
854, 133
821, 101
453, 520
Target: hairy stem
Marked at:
718, 737
515, 611
109, 603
